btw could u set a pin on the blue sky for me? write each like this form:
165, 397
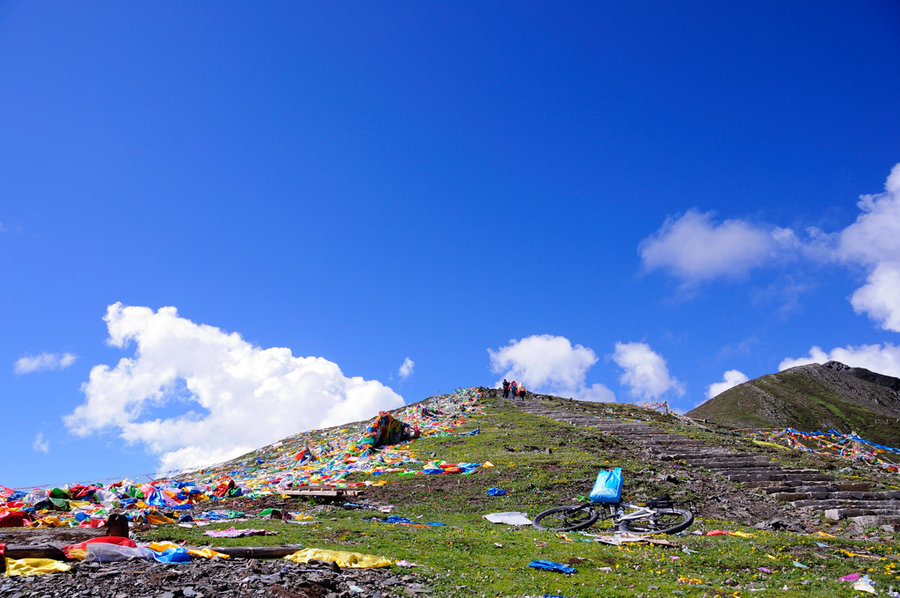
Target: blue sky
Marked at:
221, 223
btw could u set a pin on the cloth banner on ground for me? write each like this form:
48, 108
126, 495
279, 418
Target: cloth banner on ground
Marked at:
385, 429
551, 566
79, 551
13, 519
27, 567
100, 552
347, 560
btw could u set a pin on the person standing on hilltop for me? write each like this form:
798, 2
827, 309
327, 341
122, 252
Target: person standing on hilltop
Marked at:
512, 388
505, 388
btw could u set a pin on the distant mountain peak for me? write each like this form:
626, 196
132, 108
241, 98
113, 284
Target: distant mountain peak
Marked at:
812, 397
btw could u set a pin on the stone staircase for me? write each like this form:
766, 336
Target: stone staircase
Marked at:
807, 489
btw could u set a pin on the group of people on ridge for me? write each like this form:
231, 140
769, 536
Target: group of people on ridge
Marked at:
511, 389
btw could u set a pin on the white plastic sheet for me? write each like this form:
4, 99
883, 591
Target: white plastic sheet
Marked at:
509, 518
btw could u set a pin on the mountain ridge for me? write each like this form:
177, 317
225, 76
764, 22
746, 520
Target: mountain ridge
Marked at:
810, 398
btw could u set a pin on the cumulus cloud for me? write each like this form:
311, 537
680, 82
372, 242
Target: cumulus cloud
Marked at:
44, 362
549, 364
40, 445
730, 379
873, 241
646, 374
694, 248
406, 368
232, 396
884, 359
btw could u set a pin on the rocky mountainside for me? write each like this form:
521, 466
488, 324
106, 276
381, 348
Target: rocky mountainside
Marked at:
810, 398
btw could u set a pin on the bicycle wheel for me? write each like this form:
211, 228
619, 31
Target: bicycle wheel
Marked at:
661, 521
564, 519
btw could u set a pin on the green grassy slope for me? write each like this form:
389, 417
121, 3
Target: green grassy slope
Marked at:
543, 463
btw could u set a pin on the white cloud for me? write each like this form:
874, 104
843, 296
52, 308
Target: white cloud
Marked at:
549, 364
240, 396
730, 379
873, 241
880, 296
406, 368
695, 248
44, 362
646, 374
883, 359
40, 445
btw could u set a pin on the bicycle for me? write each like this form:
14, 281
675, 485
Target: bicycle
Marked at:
660, 516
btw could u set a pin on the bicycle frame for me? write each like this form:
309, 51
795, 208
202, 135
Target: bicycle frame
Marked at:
638, 513
616, 511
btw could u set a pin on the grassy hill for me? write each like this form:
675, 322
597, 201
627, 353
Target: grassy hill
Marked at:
542, 463
811, 398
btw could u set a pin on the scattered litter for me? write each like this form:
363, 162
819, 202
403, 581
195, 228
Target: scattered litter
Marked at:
346, 560
395, 520
864, 585
496, 491
231, 532
621, 539
28, 567
850, 577
509, 518
552, 566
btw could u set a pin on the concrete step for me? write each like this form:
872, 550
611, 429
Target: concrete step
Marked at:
811, 486
727, 461
821, 495
728, 458
878, 520
838, 514
681, 455
778, 475
795, 496
878, 495
729, 472
884, 506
